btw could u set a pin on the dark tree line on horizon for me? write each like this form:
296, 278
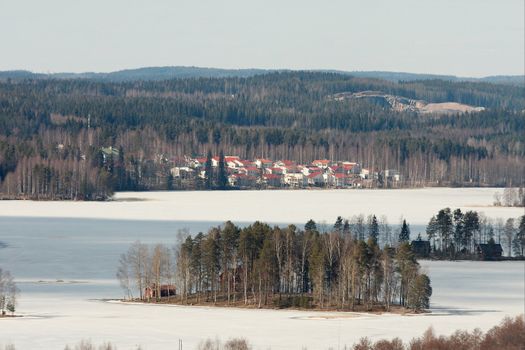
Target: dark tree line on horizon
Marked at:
263, 266
52, 131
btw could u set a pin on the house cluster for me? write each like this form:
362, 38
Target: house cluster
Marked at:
263, 172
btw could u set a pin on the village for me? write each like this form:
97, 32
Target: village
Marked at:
267, 173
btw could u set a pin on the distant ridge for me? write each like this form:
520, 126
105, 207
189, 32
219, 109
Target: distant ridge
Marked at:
177, 72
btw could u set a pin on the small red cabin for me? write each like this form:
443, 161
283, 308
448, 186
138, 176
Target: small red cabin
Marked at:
166, 290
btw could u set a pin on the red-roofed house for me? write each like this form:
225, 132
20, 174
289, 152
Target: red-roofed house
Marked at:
272, 180
321, 163
197, 162
295, 180
335, 169
310, 169
263, 163
284, 163
339, 180
250, 171
231, 161
351, 167
242, 180
315, 179
244, 163
276, 171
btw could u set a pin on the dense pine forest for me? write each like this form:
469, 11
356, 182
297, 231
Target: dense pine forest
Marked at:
84, 139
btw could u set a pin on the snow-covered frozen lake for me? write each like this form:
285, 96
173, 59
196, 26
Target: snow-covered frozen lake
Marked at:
79, 244
298, 206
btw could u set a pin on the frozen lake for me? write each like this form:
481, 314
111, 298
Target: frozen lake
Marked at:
298, 206
79, 244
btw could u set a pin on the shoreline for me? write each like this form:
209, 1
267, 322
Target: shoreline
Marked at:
353, 314
140, 198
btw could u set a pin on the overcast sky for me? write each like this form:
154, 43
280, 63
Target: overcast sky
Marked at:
459, 37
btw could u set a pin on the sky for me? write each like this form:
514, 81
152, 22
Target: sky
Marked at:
470, 38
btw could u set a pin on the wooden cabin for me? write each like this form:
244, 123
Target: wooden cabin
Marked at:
489, 251
166, 290
420, 248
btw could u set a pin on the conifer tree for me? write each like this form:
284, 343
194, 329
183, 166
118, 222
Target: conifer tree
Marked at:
404, 235
373, 229
209, 171
222, 177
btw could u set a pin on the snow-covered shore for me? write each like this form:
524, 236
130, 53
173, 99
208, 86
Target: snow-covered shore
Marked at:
416, 205
466, 295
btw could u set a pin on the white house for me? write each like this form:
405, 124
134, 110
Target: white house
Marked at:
295, 180
263, 163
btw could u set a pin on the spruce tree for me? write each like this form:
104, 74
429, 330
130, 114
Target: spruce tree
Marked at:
404, 235
222, 176
209, 171
338, 226
373, 229
310, 226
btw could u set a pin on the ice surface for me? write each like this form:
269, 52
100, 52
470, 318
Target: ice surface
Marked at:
416, 205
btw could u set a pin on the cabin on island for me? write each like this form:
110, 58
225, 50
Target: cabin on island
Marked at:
420, 248
489, 251
166, 290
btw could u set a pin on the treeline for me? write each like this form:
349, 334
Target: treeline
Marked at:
52, 132
266, 266
455, 234
512, 197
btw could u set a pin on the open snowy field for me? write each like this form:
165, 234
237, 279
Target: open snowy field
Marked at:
297, 206
466, 295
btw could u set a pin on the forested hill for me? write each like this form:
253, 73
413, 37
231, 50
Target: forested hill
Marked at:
52, 131
182, 72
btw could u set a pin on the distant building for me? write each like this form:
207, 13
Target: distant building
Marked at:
250, 171
321, 163
421, 248
315, 179
489, 251
183, 172
338, 180
166, 290
263, 163
392, 175
231, 161
295, 180
109, 152
272, 180
242, 180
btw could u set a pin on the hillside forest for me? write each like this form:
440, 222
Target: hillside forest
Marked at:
55, 133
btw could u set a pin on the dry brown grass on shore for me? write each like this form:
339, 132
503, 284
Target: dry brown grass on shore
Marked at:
276, 304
